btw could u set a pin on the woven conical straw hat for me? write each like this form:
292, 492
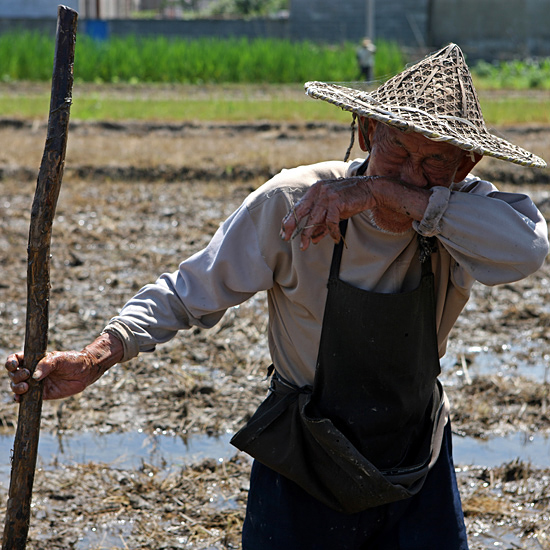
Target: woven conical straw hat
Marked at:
436, 98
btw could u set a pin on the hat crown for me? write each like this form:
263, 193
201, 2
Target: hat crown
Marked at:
439, 85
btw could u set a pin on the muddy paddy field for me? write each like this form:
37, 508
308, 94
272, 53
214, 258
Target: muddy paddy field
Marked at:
141, 459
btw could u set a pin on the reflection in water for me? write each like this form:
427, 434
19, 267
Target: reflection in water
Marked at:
498, 450
529, 361
121, 450
168, 452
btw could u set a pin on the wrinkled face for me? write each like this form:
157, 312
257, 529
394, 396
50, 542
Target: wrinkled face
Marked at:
414, 159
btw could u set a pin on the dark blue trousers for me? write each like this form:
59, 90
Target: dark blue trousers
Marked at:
281, 516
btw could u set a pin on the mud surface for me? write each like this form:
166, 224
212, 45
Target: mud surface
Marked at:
138, 198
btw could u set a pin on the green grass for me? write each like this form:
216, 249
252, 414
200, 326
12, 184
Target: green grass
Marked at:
29, 56
180, 103
517, 110
231, 79
230, 103
173, 110
529, 74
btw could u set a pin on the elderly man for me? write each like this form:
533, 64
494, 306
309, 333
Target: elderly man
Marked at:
352, 445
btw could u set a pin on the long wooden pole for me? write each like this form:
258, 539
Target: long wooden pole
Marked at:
50, 174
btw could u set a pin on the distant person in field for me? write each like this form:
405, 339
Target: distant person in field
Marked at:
352, 445
365, 59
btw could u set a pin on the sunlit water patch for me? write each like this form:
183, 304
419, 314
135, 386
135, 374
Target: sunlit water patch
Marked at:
122, 450
169, 452
461, 364
494, 451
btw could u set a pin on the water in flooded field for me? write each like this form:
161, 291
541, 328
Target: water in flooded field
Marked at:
130, 451
169, 452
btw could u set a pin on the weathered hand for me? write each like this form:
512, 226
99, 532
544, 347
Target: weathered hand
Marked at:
66, 373
63, 373
325, 203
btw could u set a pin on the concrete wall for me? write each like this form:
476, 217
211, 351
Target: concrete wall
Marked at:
318, 20
256, 28
493, 29
487, 29
34, 9
327, 20
404, 21
44, 25
103, 29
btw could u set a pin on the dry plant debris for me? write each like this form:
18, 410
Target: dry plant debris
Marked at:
134, 202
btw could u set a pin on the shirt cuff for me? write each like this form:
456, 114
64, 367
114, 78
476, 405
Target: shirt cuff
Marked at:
126, 336
439, 200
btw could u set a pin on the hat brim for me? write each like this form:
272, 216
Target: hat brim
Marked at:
453, 130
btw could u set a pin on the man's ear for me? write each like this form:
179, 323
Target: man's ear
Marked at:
366, 131
466, 165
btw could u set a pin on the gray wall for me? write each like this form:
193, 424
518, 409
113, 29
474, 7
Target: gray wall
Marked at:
405, 21
35, 24
34, 9
327, 20
256, 28
259, 28
488, 29
317, 20
335, 21
495, 29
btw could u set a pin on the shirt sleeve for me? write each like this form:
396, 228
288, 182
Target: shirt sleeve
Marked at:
227, 272
496, 237
245, 256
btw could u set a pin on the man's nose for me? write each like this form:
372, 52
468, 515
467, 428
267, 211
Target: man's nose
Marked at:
413, 174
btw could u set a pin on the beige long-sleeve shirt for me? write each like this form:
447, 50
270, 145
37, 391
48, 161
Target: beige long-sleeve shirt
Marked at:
482, 234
